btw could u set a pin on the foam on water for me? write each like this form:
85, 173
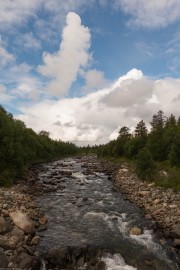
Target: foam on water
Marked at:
78, 175
116, 262
146, 239
110, 219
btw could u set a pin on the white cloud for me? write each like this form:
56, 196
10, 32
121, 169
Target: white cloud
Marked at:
5, 56
63, 66
94, 80
28, 41
173, 46
130, 93
59, 8
17, 11
88, 119
19, 82
4, 97
28, 89
150, 14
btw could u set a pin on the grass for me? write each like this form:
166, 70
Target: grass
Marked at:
118, 160
170, 180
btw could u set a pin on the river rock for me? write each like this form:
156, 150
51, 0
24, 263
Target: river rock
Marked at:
2, 221
35, 240
124, 170
143, 193
8, 227
25, 261
3, 261
17, 232
5, 212
28, 249
5, 226
156, 201
176, 231
176, 243
13, 240
11, 265
135, 231
22, 221
100, 265
42, 228
6, 244
59, 256
43, 220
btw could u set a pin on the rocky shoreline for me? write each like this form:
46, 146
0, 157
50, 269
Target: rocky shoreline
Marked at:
20, 223
160, 204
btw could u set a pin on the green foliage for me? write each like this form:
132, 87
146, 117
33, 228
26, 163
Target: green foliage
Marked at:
133, 146
160, 145
141, 130
21, 146
171, 180
6, 178
145, 165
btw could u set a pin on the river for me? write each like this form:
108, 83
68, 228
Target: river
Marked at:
87, 213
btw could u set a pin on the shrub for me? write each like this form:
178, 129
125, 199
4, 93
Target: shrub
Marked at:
6, 178
145, 165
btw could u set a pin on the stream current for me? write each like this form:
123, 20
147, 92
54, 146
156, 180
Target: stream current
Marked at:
86, 209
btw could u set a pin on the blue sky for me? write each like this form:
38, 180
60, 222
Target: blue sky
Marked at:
70, 67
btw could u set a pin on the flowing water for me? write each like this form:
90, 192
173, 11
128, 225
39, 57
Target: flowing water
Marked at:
86, 210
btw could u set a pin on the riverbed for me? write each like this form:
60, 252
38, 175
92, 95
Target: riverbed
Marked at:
86, 212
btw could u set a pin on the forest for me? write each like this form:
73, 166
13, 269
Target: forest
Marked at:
21, 146
151, 151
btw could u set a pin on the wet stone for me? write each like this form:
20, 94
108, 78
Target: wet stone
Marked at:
3, 261
42, 228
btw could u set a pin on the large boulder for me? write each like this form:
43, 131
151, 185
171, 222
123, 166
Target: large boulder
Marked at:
22, 221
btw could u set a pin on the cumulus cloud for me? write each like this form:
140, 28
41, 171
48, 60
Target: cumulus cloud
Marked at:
63, 67
94, 80
91, 119
130, 93
150, 14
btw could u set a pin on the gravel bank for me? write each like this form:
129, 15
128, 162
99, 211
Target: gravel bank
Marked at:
160, 204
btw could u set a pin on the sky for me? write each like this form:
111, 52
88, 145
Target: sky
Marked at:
83, 69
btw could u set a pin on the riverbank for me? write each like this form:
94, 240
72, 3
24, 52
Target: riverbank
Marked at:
20, 223
160, 204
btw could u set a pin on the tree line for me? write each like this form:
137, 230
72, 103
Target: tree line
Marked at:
162, 141
159, 145
21, 146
